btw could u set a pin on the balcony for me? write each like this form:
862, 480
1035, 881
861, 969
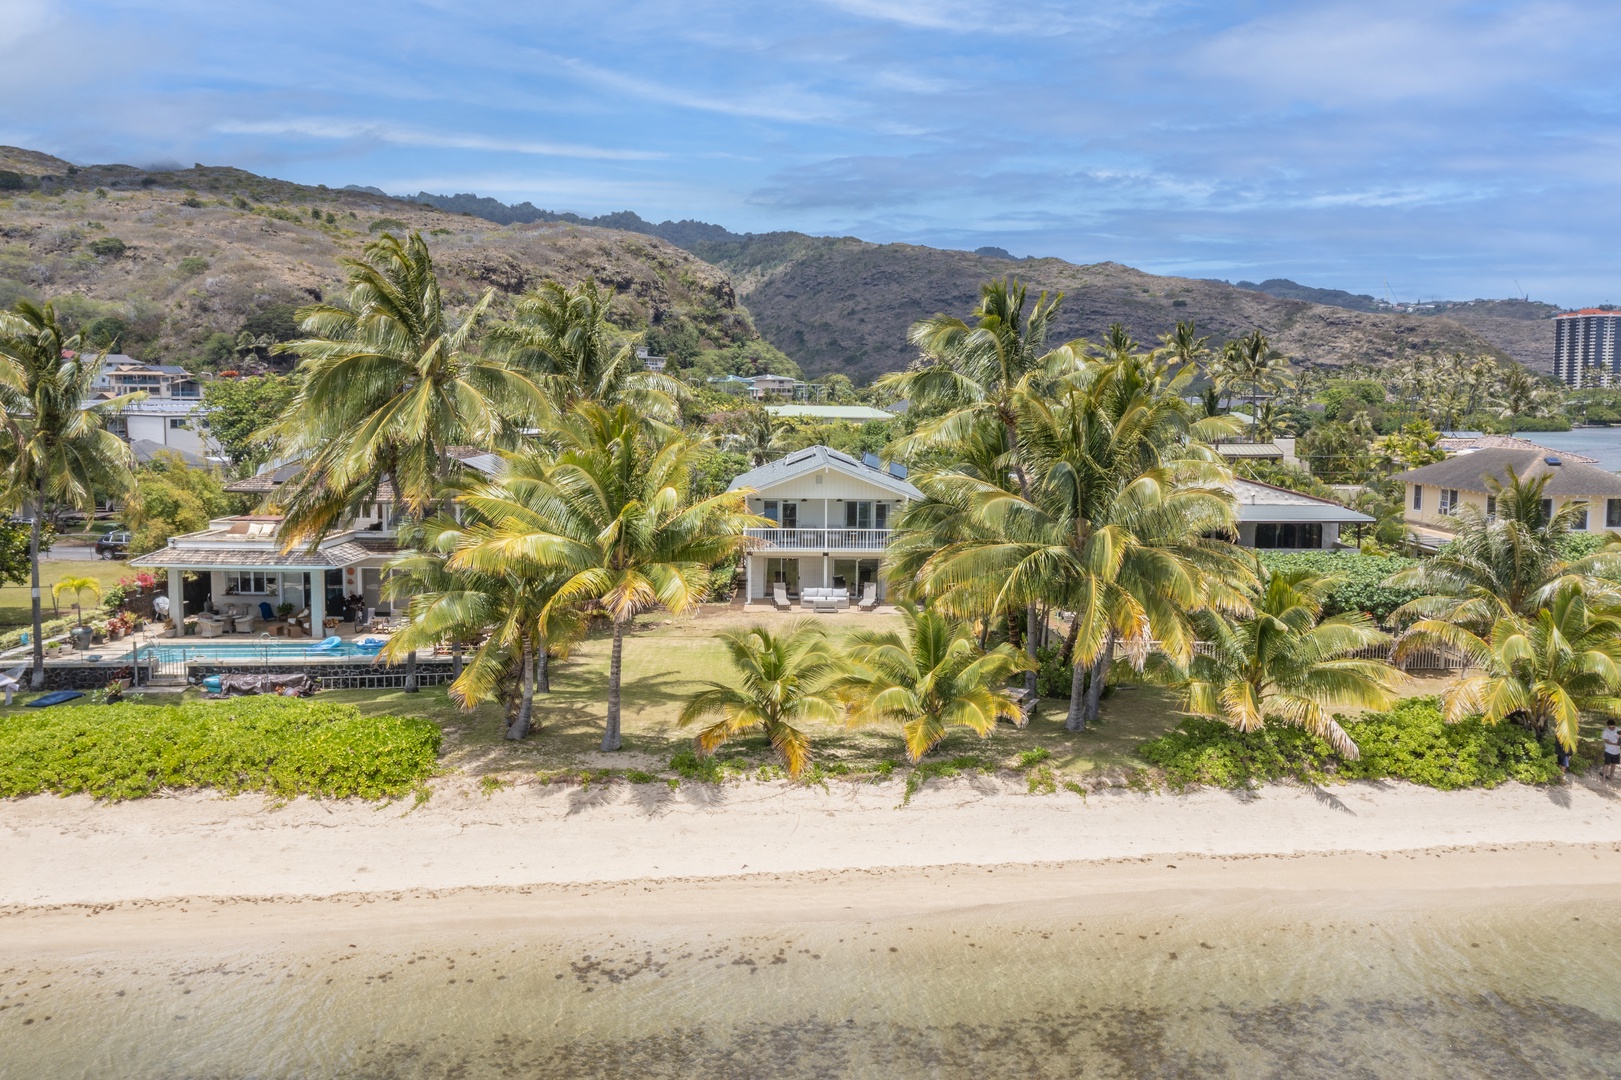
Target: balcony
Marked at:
818, 540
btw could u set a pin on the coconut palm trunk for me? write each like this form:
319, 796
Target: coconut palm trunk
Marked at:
1100, 678
411, 672
526, 706
543, 665
1076, 718
610, 733
37, 679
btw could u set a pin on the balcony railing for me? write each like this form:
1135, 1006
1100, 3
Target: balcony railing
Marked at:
819, 539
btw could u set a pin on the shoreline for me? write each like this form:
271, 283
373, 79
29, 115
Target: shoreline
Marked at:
74, 851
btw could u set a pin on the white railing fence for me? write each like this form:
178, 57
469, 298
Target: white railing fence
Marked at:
818, 539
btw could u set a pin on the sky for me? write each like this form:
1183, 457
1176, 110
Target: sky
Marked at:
1419, 149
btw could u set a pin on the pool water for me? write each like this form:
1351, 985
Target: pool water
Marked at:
263, 651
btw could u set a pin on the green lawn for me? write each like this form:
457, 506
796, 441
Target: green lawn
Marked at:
666, 660
16, 608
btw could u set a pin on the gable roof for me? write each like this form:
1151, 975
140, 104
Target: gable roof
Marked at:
813, 460
831, 412
1468, 472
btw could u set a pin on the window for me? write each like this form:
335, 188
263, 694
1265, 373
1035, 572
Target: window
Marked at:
1612, 514
1581, 515
1418, 496
250, 581
1449, 501
176, 423
1547, 509
1491, 506
772, 511
1270, 534
790, 515
858, 514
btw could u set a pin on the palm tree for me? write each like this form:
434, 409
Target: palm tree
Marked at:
764, 436
57, 448
564, 336
509, 615
976, 371
1289, 663
388, 383
613, 514
1254, 365
787, 680
933, 676
1520, 393
1114, 528
1544, 670
1504, 564
78, 586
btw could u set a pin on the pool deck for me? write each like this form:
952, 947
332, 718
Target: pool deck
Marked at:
116, 653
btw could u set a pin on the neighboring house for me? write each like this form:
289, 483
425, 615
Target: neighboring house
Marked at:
1436, 492
121, 374
170, 416
242, 557
172, 423
1273, 517
1281, 451
1464, 444
857, 414
833, 515
650, 362
766, 387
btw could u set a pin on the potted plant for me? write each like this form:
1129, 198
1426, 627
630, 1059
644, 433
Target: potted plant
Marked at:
98, 631
78, 586
285, 611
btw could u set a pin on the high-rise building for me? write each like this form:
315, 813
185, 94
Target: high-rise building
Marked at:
1584, 352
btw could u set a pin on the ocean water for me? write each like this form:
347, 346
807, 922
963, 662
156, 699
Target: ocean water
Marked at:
1524, 988
1603, 444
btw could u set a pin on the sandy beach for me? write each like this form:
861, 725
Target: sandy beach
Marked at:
75, 851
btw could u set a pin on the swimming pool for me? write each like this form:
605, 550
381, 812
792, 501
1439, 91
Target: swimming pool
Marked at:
263, 651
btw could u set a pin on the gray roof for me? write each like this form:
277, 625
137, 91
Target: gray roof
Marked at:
1258, 502
144, 450
816, 458
328, 558
1468, 472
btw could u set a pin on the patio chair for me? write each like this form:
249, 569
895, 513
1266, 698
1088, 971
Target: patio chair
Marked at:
869, 596
12, 680
266, 612
244, 622
779, 597
210, 626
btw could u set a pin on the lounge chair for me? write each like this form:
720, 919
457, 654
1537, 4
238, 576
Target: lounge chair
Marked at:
869, 596
266, 612
327, 644
779, 597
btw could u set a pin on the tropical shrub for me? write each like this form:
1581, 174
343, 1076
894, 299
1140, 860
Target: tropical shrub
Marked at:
1411, 742
280, 746
1360, 584
110, 247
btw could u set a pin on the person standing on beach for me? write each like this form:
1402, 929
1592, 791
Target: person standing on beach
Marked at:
1612, 751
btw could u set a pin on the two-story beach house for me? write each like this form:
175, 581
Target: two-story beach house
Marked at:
1434, 493
834, 514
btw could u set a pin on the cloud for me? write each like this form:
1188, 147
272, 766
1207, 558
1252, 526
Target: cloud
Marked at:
402, 136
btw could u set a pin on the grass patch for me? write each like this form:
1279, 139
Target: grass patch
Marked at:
279, 746
927, 770
16, 603
1410, 742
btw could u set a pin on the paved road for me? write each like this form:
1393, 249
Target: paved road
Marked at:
72, 553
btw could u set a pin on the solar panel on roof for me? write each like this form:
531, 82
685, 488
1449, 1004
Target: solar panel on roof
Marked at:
806, 456
897, 470
871, 461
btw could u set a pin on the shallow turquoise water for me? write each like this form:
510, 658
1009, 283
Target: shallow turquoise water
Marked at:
1521, 990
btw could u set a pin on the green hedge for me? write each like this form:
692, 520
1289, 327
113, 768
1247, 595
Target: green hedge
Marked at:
282, 746
1411, 742
1363, 586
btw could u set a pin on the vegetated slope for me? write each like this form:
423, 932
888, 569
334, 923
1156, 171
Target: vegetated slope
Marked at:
204, 252
844, 305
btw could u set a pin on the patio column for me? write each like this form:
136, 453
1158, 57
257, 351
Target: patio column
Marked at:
748, 578
177, 601
317, 602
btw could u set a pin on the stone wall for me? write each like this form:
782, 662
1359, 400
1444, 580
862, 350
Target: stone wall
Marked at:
87, 676
356, 667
